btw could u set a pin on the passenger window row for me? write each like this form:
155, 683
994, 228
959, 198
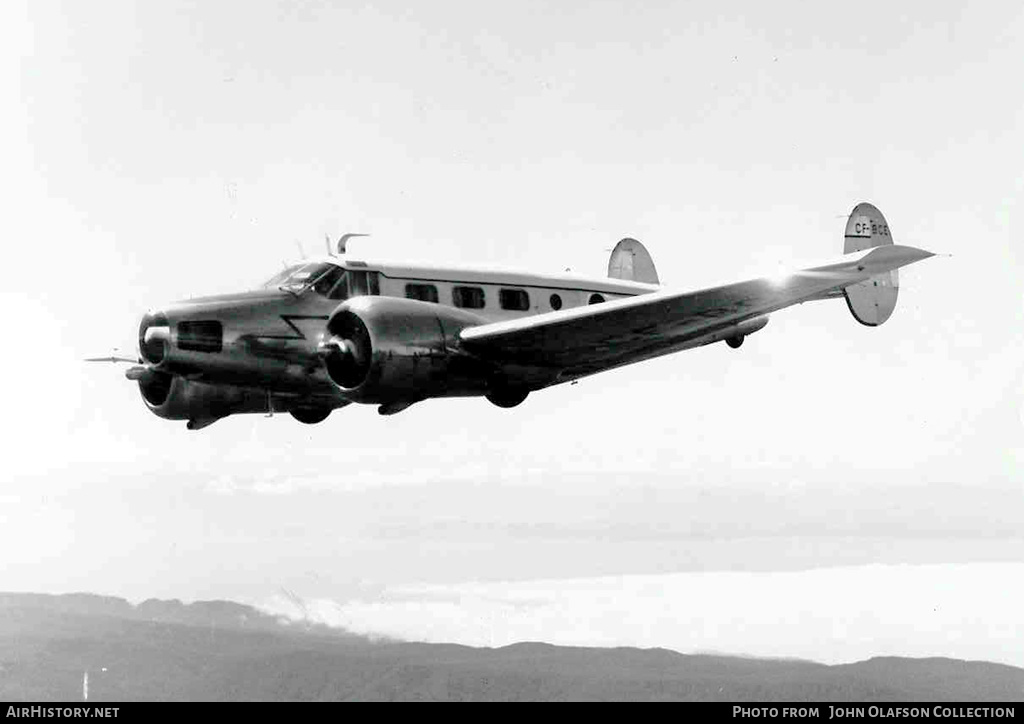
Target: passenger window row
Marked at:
513, 300
516, 300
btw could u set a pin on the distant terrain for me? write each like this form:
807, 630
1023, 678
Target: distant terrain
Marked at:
217, 650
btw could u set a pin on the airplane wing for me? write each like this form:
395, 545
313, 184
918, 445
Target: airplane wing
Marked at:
554, 347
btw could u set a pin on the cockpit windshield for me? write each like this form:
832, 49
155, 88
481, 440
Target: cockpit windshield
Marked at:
324, 278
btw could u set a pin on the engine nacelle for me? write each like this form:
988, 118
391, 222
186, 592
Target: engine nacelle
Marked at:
734, 334
176, 398
388, 349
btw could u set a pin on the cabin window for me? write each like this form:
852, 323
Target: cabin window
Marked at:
556, 301
468, 297
596, 298
515, 300
422, 292
374, 278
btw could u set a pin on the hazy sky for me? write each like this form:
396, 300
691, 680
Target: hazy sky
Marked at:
152, 151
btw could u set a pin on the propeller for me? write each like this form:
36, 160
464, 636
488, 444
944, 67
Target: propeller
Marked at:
346, 351
115, 358
139, 372
340, 353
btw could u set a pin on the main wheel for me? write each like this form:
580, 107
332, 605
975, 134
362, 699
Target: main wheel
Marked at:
310, 415
507, 397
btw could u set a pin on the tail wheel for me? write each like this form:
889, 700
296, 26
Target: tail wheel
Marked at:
507, 397
735, 342
311, 415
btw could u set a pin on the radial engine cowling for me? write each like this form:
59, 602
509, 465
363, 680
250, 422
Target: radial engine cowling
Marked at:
175, 398
387, 349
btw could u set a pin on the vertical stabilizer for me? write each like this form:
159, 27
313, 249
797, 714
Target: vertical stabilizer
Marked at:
631, 260
871, 302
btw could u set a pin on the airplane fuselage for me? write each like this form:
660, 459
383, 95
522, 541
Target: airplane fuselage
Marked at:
323, 334
257, 351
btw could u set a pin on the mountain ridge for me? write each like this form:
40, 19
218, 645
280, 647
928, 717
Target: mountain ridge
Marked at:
221, 650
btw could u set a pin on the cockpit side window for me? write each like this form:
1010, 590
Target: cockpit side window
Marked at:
279, 278
357, 286
297, 276
340, 289
321, 277
329, 283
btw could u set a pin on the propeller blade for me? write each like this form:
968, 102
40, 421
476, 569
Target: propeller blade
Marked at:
113, 358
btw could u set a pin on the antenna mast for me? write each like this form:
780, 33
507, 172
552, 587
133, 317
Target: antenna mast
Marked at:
343, 240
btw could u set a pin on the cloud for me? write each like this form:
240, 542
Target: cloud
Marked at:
280, 482
968, 611
327, 474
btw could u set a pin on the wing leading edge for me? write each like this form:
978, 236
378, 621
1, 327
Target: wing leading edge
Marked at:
549, 348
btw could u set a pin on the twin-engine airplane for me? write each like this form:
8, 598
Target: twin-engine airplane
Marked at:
323, 334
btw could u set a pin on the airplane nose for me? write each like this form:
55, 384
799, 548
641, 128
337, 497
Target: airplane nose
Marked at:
154, 334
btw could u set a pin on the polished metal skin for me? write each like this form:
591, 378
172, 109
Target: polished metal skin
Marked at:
274, 350
327, 333
386, 349
261, 359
